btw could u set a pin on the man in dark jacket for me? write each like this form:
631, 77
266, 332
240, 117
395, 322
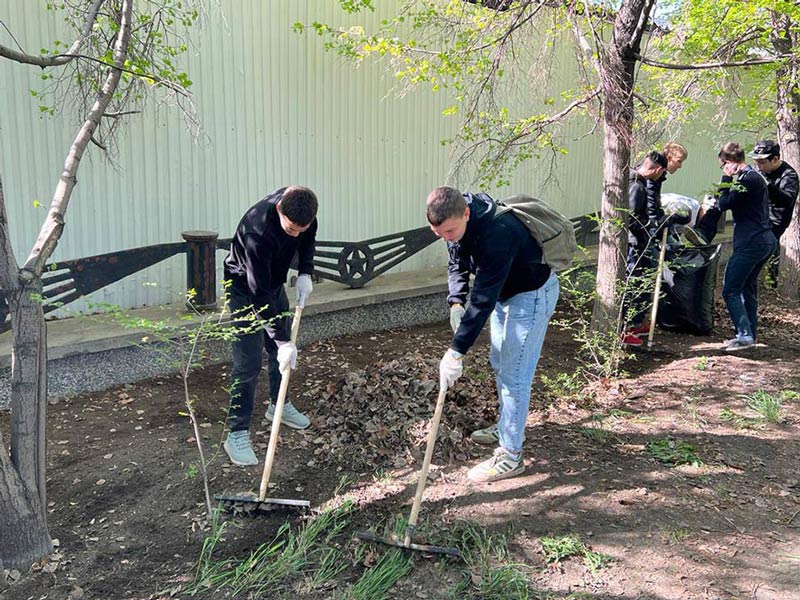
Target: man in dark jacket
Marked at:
515, 289
269, 235
744, 192
644, 221
782, 186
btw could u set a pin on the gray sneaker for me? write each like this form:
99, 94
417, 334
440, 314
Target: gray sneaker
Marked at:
239, 448
290, 417
740, 344
488, 436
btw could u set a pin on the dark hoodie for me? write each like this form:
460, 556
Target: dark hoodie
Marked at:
262, 252
503, 257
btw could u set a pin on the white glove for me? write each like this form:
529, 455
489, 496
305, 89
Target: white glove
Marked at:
456, 313
304, 287
287, 356
450, 368
668, 276
709, 202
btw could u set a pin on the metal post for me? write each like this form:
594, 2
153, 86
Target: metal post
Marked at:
201, 267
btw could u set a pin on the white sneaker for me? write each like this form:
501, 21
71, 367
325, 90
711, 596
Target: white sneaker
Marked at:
500, 466
291, 417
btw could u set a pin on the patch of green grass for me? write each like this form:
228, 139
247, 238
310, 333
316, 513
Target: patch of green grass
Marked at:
557, 548
376, 581
790, 395
738, 421
489, 575
598, 434
675, 535
382, 477
702, 363
768, 406
694, 414
618, 413
274, 565
478, 374
673, 452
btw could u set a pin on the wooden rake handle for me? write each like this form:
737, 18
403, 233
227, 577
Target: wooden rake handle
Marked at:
423, 474
278, 414
657, 291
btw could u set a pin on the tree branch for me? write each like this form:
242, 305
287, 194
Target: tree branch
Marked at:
713, 65
61, 59
54, 225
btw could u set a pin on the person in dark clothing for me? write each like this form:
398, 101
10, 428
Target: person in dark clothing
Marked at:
644, 221
744, 192
675, 155
782, 186
515, 290
267, 238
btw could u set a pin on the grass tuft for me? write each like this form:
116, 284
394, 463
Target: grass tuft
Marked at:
557, 548
674, 453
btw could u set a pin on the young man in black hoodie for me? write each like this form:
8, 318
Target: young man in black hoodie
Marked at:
782, 187
514, 288
645, 218
267, 238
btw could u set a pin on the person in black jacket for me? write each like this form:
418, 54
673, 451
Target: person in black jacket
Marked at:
267, 238
513, 288
644, 221
744, 192
782, 186
675, 154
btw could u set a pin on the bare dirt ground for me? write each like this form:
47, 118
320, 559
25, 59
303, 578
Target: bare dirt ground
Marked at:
126, 503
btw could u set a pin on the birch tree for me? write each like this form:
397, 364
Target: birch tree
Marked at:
124, 51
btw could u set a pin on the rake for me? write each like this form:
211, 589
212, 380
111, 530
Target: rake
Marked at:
260, 503
406, 543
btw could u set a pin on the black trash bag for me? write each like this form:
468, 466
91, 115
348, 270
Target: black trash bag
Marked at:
688, 304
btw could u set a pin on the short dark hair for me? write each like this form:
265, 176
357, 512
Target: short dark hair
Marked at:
657, 158
731, 152
444, 203
299, 205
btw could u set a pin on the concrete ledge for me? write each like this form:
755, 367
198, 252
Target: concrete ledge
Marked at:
93, 352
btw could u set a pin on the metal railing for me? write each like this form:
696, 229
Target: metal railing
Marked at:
353, 264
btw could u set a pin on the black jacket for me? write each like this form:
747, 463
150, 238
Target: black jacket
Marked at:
639, 226
782, 185
504, 258
261, 253
746, 197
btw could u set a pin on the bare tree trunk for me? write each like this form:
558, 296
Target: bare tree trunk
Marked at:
617, 68
784, 40
24, 537
23, 527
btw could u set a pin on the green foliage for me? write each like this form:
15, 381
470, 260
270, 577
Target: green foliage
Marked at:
274, 565
376, 581
489, 574
558, 548
702, 363
768, 406
159, 39
719, 31
492, 65
674, 453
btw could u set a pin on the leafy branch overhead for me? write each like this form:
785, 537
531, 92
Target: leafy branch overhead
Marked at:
494, 66
73, 72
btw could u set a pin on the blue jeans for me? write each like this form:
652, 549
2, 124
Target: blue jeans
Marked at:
518, 326
247, 361
740, 289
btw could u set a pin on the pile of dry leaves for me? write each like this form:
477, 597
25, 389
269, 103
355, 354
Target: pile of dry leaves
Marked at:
380, 416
